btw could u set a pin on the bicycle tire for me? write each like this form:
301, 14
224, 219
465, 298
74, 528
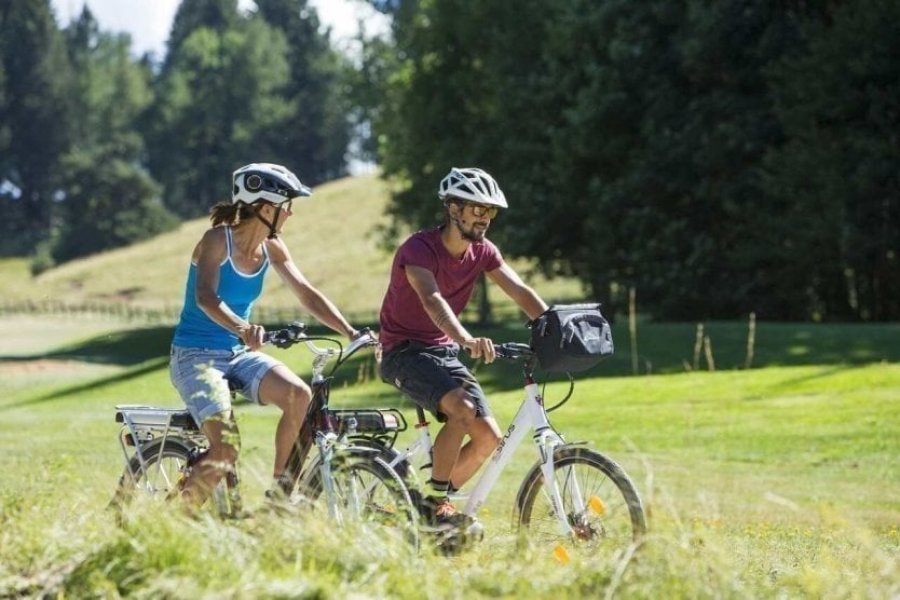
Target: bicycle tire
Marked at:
611, 515
165, 467
385, 497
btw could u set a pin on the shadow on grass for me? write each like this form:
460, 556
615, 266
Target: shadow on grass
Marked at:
126, 347
60, 394
662, 348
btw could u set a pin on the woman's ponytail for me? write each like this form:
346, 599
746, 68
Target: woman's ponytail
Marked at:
229, 213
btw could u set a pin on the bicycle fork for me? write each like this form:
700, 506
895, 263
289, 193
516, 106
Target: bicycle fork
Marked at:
325, 443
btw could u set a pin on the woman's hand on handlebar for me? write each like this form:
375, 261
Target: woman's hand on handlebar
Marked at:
254, 336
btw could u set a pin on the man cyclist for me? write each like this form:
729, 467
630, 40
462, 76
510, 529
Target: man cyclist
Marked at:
432, 278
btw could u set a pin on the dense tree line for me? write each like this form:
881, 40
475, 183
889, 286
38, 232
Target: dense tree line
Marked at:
719, 157
100, 149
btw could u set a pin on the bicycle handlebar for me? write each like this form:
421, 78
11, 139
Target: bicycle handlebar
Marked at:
296, 333
513, 351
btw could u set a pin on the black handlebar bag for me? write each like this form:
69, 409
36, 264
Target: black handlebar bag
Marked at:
571, 337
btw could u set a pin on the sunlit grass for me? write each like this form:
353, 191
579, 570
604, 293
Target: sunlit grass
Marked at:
776, 482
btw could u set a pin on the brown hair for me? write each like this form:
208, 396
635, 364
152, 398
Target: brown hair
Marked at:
229, 213
447, 202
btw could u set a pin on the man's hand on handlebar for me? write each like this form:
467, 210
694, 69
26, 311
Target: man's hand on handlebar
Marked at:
480, 347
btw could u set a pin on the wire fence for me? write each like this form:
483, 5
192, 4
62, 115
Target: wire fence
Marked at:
168, 314
124, 312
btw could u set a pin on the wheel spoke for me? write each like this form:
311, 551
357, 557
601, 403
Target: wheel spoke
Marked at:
595, 499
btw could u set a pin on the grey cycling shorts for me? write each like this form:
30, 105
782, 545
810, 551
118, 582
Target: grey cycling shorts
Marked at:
426, 373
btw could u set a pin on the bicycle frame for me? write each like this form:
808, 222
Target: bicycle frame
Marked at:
531, 416
322, 425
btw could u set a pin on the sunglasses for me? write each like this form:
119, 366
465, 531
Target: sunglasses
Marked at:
480, 210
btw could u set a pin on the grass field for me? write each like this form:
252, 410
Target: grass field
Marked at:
781, 481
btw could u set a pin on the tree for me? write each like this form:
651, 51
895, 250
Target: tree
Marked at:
217, 15
35, 117
109, 199
108, 206
216, 108
316, 132
629, 137
836, 179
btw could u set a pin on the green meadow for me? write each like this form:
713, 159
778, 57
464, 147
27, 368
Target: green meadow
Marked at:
778, 481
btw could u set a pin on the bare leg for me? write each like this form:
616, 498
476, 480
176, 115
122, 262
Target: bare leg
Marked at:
460, 414
485, 436
224, 443
282, 388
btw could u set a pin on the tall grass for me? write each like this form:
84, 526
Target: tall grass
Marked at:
776, 482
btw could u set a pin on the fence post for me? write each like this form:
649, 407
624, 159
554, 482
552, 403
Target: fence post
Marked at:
751, 340
632, 328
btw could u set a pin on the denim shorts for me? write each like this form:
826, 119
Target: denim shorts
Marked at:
427, 373
201, 376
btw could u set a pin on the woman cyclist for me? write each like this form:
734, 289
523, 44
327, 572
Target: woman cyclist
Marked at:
216, 342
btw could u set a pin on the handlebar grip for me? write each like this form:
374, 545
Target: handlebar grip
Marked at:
284, 338
513, 350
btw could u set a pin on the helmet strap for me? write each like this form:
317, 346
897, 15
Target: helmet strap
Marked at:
270, 224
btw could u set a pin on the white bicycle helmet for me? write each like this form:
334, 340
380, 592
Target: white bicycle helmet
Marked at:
265, 181
472, 184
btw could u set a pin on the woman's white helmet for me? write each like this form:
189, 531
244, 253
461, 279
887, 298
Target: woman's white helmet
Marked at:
472, 184
265, 181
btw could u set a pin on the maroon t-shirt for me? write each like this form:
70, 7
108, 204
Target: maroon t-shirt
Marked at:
402, 315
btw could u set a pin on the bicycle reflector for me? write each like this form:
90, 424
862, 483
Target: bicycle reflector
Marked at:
597, 505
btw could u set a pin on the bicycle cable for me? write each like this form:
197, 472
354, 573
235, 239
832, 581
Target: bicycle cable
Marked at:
566, 398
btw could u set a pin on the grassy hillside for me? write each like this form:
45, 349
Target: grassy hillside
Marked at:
777, 482
332, 237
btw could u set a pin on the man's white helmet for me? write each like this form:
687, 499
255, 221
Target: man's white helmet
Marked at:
472, 184
265, 181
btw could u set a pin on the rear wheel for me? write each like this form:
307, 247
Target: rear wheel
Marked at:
367, 492
600, 503
166, 466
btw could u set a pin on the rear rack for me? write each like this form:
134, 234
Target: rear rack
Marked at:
152, 417
142, 424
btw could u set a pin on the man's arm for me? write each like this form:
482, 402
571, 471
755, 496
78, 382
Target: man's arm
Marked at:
522, 294
425, 285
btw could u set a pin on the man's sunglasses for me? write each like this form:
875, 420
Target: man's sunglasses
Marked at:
480, 210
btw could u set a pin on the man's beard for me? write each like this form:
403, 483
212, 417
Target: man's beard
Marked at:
474, 235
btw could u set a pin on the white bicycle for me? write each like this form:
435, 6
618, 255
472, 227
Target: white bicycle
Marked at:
571, 494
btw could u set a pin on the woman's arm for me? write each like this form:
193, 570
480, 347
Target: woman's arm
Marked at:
311, 298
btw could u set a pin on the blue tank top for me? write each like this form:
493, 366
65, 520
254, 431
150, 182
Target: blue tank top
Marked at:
238, 290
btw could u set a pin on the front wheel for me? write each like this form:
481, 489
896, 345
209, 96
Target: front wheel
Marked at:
366, 492
600, 504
